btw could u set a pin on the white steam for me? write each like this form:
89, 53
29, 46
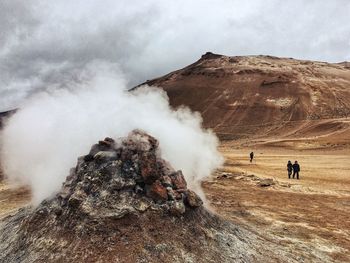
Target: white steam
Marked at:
42, 141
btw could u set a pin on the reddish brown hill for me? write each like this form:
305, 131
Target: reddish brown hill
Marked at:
244, 96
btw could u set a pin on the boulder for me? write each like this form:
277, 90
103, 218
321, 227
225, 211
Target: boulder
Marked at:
157, 192
266, 182
177, 208
76, 198
166, 181
192, 199
107, 142
173, 194
148, 167
178, 180
105, 155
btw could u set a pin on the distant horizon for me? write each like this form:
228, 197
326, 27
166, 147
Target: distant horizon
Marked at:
279, 57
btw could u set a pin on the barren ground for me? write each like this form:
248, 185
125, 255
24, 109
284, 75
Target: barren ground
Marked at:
12, 198
308, 216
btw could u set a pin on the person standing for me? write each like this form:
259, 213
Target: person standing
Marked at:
296, 169
251, 156
289, 168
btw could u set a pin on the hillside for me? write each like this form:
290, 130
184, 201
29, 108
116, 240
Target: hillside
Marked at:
243, 96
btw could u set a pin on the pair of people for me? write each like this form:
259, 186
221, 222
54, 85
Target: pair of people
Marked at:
295, 168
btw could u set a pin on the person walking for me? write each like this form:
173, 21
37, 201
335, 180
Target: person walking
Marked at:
251, 156
296, 169
289, 168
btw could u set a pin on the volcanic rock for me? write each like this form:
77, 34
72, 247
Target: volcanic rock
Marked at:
193, 200
157, 191
123, 203
178, 180
266, 182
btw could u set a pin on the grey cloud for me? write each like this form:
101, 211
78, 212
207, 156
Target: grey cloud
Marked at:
16, 21
46, 45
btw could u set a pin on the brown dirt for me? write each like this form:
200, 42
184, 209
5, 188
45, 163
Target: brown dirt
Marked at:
305, 215
12, 198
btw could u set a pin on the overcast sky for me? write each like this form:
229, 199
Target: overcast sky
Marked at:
46, 45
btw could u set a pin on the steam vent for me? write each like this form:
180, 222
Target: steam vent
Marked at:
123, 203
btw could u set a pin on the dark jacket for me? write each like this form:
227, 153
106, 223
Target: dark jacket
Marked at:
296, 167
289, 166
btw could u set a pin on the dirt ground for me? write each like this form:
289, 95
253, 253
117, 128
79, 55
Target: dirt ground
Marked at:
12, 198
307, 216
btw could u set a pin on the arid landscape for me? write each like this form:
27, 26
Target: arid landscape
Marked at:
169, 131
282, 109
308, 216
300, 113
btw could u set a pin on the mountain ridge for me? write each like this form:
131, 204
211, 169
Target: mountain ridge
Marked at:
241, 96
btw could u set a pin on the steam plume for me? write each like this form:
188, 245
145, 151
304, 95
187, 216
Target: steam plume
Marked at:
43, 139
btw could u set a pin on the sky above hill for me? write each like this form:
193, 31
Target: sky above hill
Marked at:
48, 45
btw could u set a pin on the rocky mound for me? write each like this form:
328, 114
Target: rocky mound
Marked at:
129, 172
245, 96
123, 203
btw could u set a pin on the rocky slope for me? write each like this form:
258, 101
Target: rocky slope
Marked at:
123, 203
250, 95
